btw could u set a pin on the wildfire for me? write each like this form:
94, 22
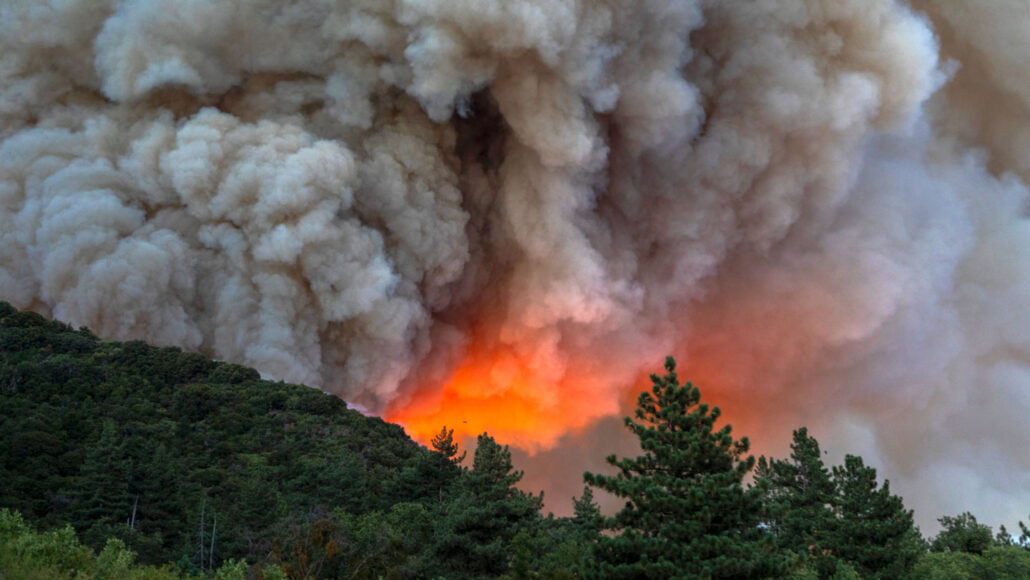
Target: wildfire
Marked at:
497, 393
530, 402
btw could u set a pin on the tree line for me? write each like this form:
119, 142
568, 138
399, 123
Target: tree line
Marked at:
127, 460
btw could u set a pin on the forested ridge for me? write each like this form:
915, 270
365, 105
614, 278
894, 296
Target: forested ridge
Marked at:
129, 460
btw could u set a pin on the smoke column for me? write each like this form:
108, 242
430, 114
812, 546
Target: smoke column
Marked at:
498, 214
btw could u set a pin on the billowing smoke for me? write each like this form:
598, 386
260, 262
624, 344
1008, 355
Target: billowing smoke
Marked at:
496, 214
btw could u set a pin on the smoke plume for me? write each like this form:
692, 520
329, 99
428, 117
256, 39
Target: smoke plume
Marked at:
497, 214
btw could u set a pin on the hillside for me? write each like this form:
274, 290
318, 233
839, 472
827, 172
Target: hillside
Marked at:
153, 445
202, 469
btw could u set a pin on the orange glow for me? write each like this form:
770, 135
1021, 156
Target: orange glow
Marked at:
496, 393
746, 369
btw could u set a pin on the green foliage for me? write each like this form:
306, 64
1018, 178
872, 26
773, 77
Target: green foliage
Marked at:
800, 498
58, 555
947, 566
1003, 538
962, 533
138, 450
1024, 536
965, 548
839, 523
21, 548
1003, 563
873, 532
164, 449
995, 563
558, 548
478, 525
343, 545
828, 569
586, 512
687, 512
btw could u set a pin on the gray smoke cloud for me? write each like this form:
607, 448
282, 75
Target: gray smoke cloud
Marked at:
819, 206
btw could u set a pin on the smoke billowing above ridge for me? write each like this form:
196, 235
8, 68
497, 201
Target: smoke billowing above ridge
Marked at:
497, 214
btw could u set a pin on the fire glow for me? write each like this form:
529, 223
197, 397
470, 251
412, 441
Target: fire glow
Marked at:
498, 394
739, 366
502, 220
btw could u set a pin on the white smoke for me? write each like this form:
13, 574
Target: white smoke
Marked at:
823, 198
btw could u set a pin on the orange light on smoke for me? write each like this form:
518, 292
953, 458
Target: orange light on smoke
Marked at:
496, 393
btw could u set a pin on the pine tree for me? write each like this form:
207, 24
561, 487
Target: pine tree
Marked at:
443, 443
155, 484
104, 502
687, 512
799, 497
432, 473
585, 510
874, 532
484, 514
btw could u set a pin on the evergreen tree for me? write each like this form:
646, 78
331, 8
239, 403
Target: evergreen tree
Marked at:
431, 474
154, 486
962, 533
124, 440
584, 509
104, 506
687, 512
799, 498
874, 531
444, 444
482, 517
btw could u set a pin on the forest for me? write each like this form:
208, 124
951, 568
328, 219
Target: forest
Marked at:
125, 460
